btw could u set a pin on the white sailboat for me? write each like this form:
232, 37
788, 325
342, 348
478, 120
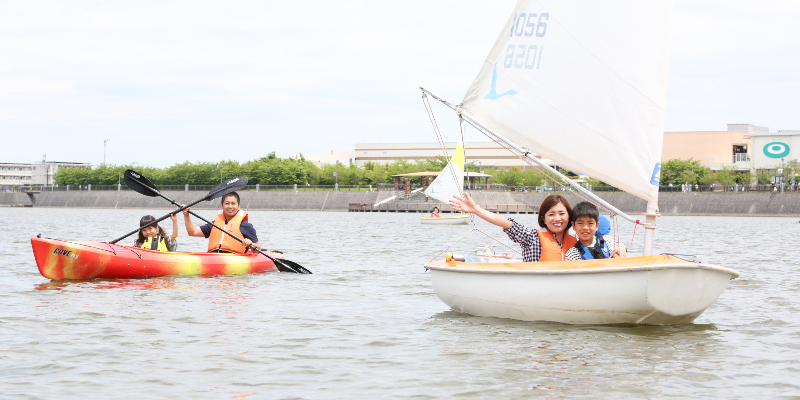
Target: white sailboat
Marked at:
584, 84
450, 182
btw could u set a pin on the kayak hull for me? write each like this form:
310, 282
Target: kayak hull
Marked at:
454, 220
650, 290
58, 259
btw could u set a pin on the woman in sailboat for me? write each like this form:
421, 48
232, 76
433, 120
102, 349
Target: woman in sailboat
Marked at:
550, 244
435, 212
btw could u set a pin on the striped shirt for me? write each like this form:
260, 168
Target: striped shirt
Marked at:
610, 245
528, 239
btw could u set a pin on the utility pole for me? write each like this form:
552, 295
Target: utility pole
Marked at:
44, 167
104, 151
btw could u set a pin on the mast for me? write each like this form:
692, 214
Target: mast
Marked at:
651, 213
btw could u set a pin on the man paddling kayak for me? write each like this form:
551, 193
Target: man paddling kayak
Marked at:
233, 220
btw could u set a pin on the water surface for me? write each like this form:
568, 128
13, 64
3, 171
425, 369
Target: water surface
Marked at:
367, 323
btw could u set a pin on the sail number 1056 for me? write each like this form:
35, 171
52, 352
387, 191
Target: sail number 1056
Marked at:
528, 24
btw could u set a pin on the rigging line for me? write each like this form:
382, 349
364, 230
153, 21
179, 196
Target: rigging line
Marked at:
497, 240
460, 185
454, 243
439, 137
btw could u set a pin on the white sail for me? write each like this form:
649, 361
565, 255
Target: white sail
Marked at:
583, 83
450, 181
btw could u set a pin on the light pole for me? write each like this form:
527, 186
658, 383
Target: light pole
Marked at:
104, 151
44, 168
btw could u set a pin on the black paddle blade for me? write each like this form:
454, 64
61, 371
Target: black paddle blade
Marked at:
297, 267
140, 184
231, 185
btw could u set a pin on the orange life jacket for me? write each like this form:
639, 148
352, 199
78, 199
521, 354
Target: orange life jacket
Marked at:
551, 251
218, 240
434, 215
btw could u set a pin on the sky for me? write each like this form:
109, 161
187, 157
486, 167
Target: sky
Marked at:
172, 81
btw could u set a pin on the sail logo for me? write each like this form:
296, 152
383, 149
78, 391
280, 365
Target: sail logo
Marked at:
655, 179
776, 150
493, 95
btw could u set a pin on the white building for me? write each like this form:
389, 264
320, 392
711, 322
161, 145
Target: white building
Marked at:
772, 149
42, 173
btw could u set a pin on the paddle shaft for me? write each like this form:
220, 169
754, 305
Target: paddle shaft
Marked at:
281, 266
158, 220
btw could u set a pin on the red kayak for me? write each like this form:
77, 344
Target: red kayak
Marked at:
58, 259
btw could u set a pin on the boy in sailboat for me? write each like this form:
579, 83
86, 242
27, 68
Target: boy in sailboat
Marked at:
551, 244
590, 245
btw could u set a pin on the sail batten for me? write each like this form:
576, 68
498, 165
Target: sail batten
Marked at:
582, 83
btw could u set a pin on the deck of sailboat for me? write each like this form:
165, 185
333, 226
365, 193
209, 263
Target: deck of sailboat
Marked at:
642, 263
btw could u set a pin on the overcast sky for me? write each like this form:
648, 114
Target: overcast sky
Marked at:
169, 82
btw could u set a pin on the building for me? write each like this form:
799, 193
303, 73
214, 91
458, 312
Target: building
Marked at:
773, 149
714, 149
744, 147
42, 173
483, 154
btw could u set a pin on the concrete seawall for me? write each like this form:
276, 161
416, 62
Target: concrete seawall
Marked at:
318, 201
8, 199
743, 204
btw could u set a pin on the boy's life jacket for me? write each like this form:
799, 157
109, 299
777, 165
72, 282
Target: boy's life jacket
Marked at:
596, 252
551, 251
218, 240
159, 244
434, 215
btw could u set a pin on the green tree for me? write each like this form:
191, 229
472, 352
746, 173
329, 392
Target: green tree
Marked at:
678, 171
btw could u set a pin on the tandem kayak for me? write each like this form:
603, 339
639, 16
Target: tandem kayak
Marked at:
58, 259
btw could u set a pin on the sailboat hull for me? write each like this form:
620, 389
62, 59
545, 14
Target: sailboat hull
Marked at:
650, 290
454, 220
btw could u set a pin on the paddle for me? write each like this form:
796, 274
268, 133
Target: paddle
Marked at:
142, 185
221, 189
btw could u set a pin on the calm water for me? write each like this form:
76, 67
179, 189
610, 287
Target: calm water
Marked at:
368, 325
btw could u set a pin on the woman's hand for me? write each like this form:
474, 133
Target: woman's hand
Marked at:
173, 217
465, 204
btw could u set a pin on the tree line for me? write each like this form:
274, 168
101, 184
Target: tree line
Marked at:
679, 171
272, 170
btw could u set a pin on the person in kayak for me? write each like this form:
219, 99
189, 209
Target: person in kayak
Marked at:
435, 212
154, 238
232, 219
591, 244
551, 244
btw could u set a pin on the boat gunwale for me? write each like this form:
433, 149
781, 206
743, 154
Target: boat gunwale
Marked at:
112, 246
494, 268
